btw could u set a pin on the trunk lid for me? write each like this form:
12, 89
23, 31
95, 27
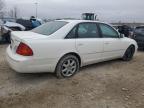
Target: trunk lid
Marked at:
22, 36
27, 35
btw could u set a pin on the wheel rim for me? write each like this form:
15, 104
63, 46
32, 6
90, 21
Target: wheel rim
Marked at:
69, 67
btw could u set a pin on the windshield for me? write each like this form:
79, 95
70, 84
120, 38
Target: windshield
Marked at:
49, 28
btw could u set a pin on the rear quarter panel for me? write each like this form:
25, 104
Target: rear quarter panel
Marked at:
129, 42
51, 48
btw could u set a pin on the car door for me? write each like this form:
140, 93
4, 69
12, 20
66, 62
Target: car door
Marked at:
89, 44
113, 45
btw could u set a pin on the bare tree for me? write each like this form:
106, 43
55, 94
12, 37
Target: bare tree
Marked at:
2, 5
13, 13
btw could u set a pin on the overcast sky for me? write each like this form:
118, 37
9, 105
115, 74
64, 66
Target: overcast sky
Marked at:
107, 10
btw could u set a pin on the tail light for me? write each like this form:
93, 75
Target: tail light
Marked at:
24, 50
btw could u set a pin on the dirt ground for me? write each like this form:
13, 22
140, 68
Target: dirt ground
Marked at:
113, 84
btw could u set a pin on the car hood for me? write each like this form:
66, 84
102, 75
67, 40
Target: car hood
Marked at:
27, 35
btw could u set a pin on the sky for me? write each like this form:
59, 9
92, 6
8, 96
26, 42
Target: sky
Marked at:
107, 10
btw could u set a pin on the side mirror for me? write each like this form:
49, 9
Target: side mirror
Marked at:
121, 35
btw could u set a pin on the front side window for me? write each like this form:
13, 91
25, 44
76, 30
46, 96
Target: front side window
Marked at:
49, 28
87, 30
107, 31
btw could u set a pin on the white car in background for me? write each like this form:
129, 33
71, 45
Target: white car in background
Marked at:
1, 23
63, 46
8, 27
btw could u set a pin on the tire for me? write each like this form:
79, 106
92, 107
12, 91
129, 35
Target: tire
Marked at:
129, 53
67, 67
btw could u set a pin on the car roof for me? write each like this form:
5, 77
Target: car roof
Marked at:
77, 21
82, 21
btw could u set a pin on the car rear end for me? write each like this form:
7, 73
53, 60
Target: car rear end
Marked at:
19, 54
22, 54
36, 50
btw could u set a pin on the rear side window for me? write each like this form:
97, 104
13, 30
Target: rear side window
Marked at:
72, 33
49, 28
107, 31
88, 30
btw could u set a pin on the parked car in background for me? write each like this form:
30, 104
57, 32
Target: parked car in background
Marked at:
139, 36
124, 29
66, 45
30, 24
19, 25
8, 27
1, 22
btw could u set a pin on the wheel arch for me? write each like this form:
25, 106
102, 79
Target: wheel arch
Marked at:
72, 53
126, 56
132, 46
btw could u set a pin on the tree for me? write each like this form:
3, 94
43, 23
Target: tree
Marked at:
2, 5
13, 13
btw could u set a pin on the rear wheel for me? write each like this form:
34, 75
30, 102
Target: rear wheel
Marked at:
67, 66
129, 53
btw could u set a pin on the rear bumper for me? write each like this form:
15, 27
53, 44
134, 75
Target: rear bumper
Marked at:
29, 65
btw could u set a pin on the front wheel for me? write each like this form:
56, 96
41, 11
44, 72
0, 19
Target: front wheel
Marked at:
129, 53
67, 66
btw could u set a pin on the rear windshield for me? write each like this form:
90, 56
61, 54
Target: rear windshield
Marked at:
49, 28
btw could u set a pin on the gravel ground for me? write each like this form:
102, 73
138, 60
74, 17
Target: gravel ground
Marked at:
113, 84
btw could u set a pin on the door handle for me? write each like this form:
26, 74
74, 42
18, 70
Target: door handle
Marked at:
107, 43
80, 44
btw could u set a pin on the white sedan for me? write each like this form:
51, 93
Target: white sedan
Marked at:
63, 46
